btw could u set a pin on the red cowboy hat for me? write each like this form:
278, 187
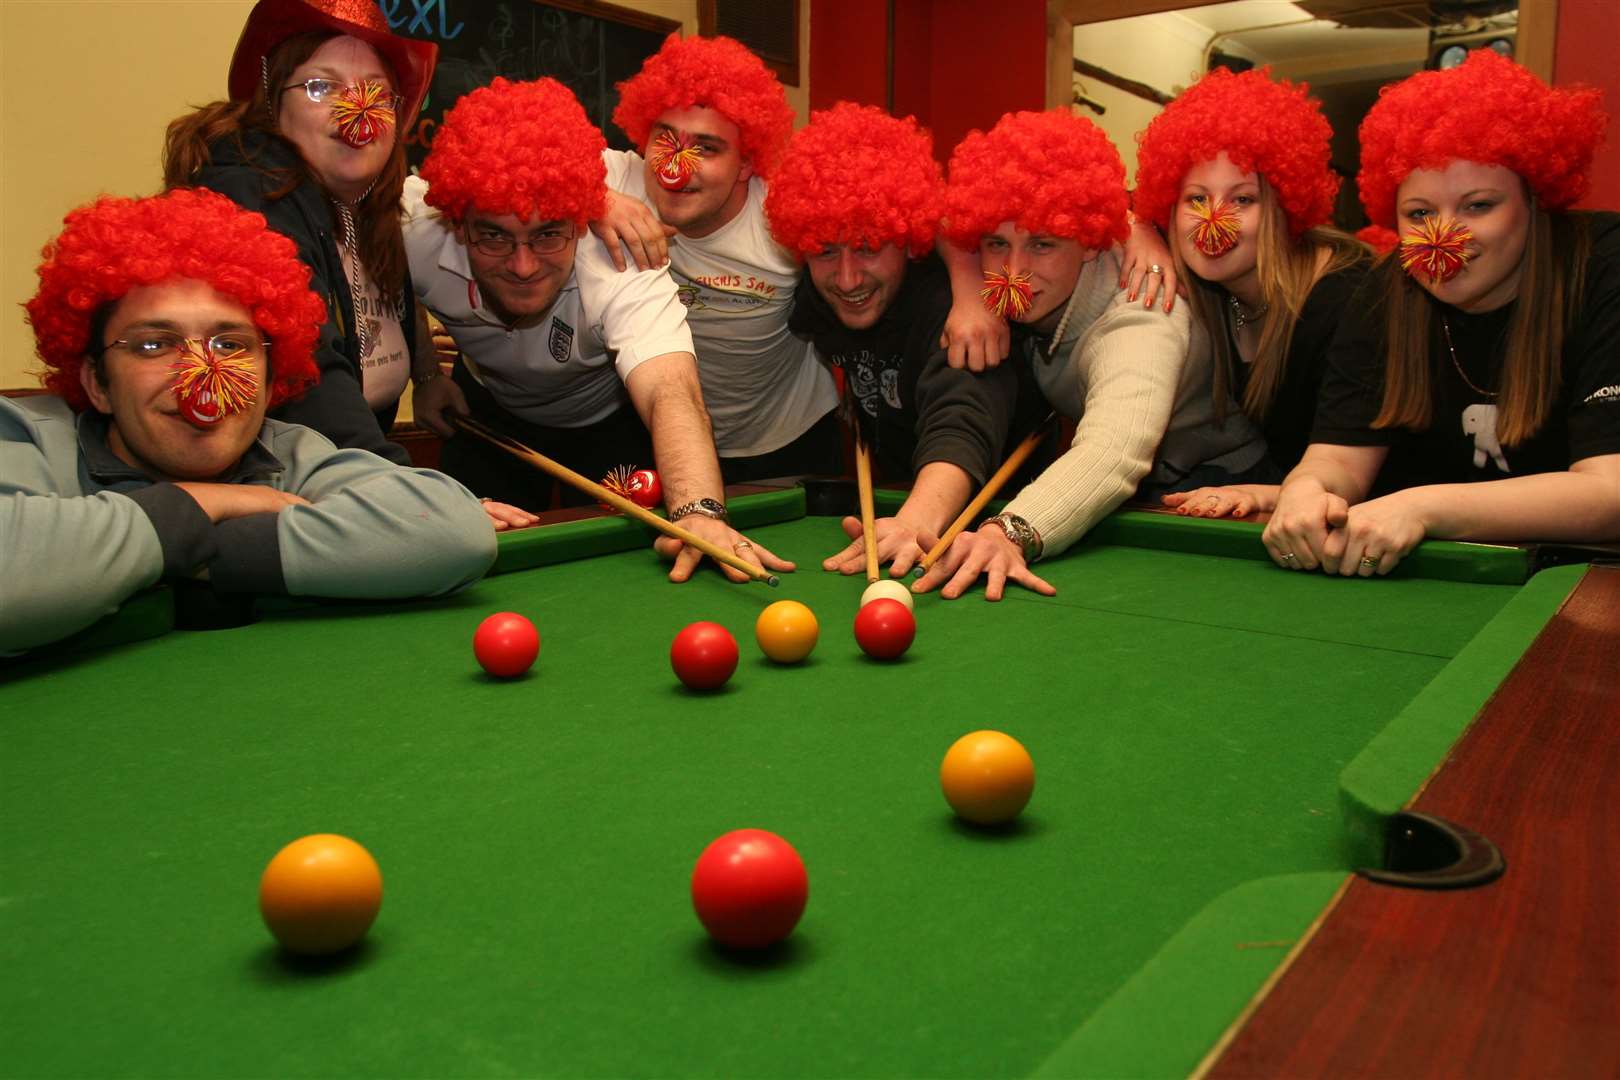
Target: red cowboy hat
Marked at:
273, 21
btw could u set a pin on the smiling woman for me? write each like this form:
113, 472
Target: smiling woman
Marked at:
320, 93
1479, 396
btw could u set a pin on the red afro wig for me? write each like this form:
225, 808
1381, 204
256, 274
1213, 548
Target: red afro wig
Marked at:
523, 148
713, 73
856, 175
1381, 240
1265, 127
1047, 172
1487, 110
114, 245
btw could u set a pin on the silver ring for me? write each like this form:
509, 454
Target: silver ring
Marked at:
1288, 557
1369, 561
1155, 269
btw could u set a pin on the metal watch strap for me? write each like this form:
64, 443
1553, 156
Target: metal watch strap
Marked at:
1021, 533
713, 508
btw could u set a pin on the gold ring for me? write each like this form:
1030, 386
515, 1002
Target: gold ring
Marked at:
739, 545
1287, 557
1155, 269
1369, 561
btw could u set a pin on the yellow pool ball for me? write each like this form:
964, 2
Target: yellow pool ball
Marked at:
786, 631
320, 894
987, 777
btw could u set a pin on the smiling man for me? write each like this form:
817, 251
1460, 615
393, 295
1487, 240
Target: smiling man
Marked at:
711, 121
168, 326
560, 350
858, 198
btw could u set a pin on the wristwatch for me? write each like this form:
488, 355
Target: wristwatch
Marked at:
423, 380
1021, 533
713, 508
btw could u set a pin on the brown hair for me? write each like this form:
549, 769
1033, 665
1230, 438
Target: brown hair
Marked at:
1287, 271
1551, 281
376, 215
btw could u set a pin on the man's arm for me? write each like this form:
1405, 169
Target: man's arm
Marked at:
369, 530
974, 337
666, 393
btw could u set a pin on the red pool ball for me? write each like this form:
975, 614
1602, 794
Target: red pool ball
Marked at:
506, 644
704, 655
884, 629
749, 889
645, 489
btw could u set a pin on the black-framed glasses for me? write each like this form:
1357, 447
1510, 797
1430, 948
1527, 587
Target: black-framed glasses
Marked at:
325, 91
499, 245
164, 345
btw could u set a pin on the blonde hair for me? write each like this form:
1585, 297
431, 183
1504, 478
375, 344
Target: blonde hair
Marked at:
1287, 271
1551, 282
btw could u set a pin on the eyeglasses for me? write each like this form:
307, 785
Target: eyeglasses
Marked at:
499, 245
323, 91
166, 344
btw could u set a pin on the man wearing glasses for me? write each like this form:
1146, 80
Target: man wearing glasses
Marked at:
168, 326
560, 350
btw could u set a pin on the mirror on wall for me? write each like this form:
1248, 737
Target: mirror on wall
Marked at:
1127, 69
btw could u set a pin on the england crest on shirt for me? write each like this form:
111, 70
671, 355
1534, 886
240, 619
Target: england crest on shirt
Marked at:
561, 341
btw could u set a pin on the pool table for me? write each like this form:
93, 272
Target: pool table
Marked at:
1219, 746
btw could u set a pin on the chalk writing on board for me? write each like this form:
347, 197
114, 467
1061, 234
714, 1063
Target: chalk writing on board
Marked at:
419, 21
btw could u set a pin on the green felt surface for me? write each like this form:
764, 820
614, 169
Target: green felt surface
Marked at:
1189, 716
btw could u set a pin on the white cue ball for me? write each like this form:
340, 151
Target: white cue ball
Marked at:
887, 589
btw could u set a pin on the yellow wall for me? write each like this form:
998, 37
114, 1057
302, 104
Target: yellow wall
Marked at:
86, 87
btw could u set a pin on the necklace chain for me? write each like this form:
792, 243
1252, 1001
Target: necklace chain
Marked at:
1452, 349
356, 292
1241, 318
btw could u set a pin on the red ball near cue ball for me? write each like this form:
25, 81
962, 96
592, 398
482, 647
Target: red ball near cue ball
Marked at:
749, 889
506, 644
704, 655
645, 489
884, 629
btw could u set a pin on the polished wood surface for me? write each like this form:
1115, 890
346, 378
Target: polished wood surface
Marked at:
1519, 977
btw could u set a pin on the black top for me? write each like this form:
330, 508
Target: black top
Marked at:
917, 407
1287, 426
335, 406
1460, 444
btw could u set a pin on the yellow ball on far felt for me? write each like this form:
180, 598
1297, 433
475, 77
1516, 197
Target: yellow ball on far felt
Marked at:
987, 777
320, 894
786, 631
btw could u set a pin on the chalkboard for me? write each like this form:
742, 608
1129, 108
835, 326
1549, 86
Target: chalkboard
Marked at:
584, 44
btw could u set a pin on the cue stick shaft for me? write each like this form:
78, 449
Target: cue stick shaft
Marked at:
863, 484
1014, 462
612, 498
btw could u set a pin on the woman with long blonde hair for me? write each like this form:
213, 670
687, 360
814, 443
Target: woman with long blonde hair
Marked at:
1477, 395
1236, 171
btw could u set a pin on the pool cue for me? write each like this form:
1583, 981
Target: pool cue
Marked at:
613, 499
863, 484
1014, 461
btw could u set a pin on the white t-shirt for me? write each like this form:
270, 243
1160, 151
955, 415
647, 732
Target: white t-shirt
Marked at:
567, 371
385, 368
763, 387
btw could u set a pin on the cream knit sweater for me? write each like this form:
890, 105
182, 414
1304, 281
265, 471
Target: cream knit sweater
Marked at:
1139, 383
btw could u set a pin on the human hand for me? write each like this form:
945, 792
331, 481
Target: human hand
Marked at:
1297, 534
1376, 536
974, 338
1236, 500
433, 399
627, 224
897, 544
506, 516
722, 536
222, 502
1147, 268
986, 552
